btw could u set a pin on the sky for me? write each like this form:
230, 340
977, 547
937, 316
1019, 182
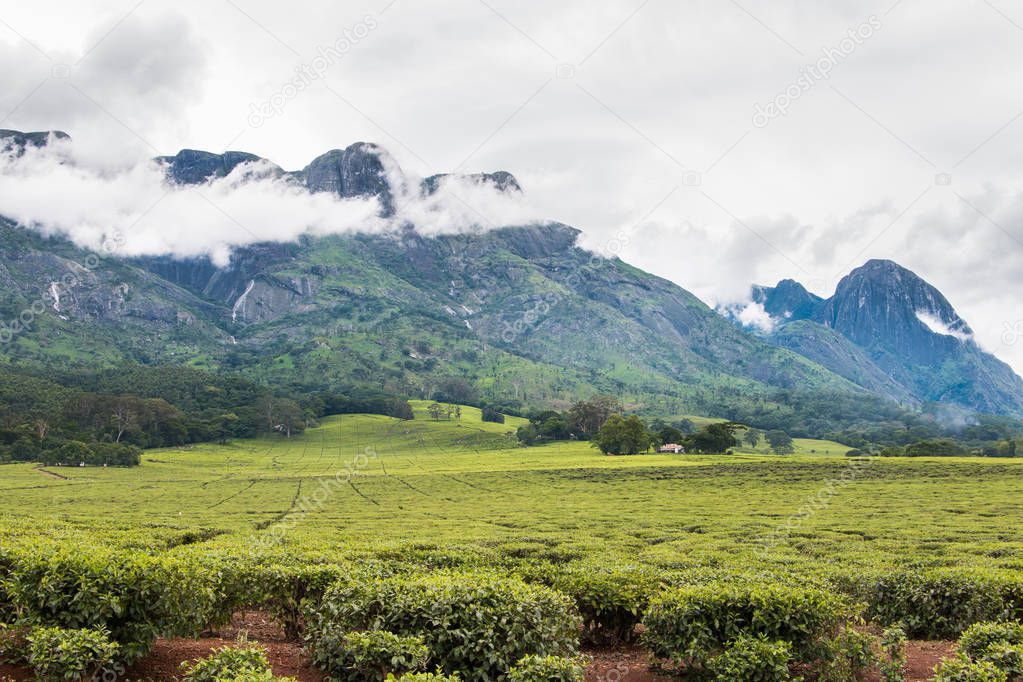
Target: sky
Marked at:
715, 143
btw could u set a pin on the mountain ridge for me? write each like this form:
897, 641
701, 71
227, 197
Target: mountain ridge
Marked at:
522, 312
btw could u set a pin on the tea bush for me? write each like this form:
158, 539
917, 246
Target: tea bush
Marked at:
281, 586
893, 654
56, 654
367, 655
962, 669
425, 677
611, 599
227, 663
691, 625
998, 644
475, 623
979, 638
134, 598
548, 669
941, 604
752, 659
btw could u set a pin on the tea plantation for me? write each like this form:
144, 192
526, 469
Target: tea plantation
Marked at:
471, 555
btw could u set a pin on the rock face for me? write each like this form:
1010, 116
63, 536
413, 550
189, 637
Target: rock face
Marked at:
501, 180
789, 300
890, 331
879, 307
17, 141
193, 167
358, 171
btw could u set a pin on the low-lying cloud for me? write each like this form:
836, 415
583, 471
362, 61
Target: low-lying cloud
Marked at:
56, 192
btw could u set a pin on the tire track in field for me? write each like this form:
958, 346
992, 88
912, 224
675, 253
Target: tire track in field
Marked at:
235, 494
54, 474
277, 518
362, 494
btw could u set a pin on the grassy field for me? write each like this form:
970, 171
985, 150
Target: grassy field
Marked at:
371, 484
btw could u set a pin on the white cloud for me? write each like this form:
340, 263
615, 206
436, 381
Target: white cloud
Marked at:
56, 192
936, 325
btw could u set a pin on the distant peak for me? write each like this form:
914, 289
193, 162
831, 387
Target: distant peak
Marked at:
502, 181
19, 141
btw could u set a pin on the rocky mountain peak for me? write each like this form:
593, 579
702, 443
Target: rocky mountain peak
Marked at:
17, 141
193, 166
884, 305
503, 181
788, 300
360, 170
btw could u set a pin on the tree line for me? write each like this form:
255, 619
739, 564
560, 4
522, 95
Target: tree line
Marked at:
107, 417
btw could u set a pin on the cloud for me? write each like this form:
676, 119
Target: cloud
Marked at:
54, 191
936, 325
754, 315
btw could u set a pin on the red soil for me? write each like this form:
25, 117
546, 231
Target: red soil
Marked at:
621, 664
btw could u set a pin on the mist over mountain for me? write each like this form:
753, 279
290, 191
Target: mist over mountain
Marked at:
347, 271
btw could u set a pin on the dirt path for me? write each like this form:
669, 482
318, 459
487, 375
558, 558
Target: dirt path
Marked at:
623, 664
54, 474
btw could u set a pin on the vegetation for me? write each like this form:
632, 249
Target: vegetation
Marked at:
231, 664
57, 654
369, 523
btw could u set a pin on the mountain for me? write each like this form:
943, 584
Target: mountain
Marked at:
888, 330
521, 316
789, 300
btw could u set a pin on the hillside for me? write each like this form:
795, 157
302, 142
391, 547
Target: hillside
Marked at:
523, 314
888, 330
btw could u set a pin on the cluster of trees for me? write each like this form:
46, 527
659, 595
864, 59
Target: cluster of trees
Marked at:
602, 420
438, 411
78, 417
581, 421
943, 447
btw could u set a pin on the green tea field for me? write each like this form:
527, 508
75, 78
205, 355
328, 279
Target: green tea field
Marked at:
424, 496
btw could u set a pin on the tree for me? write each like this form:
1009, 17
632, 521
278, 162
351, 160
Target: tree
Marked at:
781, 442
713, 438
124, 417
622, 436
491, 414
752, 437
586, 417
455, 390
436, 410
224, 426
669, 434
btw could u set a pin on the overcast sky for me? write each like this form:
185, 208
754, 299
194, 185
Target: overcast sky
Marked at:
655, 127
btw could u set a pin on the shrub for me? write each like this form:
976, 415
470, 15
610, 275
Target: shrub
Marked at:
847, 656
962, 669
13, 646
893, 650
367, 655
611, 600
425, 677
980, 637
280, 586
547, 669
693, 624
56, 654
473, 623
134, 598
1006, 657
226, 663
941, 604
752, 659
